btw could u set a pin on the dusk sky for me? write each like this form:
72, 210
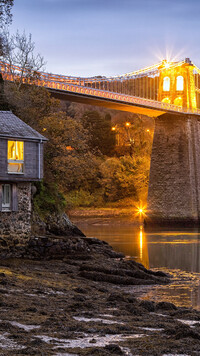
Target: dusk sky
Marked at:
109, 37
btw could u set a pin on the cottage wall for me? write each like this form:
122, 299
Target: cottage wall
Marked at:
33, 157
15, 226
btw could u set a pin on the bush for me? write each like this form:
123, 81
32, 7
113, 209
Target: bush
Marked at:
48, 199
118, 178
83, 198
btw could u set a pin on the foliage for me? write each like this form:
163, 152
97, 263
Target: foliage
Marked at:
30, 103
84, 198
5, 19
68, 157
124, 177
48, 199
18, 50
136, 138
101, 136
5, 12
118, 178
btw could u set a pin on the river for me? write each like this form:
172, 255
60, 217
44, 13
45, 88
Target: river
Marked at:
176, 252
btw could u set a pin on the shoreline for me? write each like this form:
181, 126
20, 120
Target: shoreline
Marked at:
104, 215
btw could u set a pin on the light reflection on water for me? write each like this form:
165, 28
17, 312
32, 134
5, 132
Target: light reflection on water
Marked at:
176, 252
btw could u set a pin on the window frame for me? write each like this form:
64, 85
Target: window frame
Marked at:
6, 207
15, 161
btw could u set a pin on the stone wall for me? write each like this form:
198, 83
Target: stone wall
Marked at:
174, 183
15, 226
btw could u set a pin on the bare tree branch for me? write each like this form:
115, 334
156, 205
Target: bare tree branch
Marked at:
5, 12
18, 50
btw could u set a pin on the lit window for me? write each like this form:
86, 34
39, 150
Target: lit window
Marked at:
179, 83
178, 101
166, 100
15, 157
6, 197
166, 84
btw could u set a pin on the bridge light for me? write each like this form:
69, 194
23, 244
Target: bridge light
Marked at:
147, 130
166, 64
113, 128
128, 124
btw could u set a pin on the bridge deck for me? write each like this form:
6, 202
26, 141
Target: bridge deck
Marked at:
116, 101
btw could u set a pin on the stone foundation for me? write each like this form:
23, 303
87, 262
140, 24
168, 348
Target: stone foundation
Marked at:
174, 183
15, 226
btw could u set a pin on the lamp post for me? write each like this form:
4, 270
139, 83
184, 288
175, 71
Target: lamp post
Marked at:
114, 129
130, 139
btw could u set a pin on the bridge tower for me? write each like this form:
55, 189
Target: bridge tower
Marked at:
177, 84
174, 182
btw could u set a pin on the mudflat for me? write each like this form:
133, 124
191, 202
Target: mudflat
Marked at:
76, 300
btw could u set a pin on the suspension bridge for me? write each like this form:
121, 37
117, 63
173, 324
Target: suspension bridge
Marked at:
163, 87
167, 91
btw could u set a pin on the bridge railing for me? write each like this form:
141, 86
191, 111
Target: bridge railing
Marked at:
80, 86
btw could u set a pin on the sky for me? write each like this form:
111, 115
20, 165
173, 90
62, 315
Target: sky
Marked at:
109, 37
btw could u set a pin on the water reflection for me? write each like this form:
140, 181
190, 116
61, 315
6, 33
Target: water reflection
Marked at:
144, 256
154, 249
177, 252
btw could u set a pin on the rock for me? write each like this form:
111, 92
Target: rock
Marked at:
165, 306
114, 349
80, 290
148, 305
61, 225
58, 224
116, 297
182, 331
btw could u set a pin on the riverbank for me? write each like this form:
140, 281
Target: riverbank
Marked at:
106, 215
80, 301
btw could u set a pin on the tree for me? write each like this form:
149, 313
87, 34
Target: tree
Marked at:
68, 158
101, 136
118, 178
31, 103
134, 134
5, 12
5, 19
18, 50
124, 177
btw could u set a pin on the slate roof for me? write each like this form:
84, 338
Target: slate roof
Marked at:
12, 126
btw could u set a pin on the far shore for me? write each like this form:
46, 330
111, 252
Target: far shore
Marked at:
105, 215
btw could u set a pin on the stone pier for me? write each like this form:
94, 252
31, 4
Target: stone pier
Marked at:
174, 182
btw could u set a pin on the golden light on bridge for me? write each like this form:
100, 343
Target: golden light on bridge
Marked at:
113, 128
166, 64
